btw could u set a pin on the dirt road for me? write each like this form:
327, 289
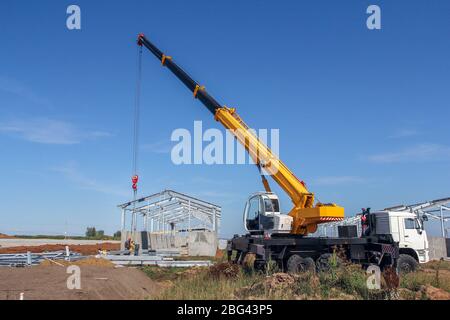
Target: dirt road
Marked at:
49, 282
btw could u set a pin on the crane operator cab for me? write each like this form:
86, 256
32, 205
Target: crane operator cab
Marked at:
262, 215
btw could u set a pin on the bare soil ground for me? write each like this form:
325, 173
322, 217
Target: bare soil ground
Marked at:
99, 281
5, 236
83, 249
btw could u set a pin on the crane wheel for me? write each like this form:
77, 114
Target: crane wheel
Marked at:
406, 264
327, 261
297, 264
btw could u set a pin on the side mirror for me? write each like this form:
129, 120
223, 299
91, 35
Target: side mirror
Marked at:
425, 217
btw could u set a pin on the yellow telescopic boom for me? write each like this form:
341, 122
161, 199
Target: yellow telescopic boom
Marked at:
306, 216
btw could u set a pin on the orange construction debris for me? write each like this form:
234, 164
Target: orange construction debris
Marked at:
90, 249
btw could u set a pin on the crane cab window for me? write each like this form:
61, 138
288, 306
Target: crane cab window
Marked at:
253, 210
271, 205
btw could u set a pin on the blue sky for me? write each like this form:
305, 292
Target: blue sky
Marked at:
363, 115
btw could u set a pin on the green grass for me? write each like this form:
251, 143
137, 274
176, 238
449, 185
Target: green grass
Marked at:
434, 273
248, 284
438, 265
204, 287
162, 274
414, 281
345, 281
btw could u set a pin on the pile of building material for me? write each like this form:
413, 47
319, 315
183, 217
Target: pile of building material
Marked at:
32, 259
159, 258
153, 260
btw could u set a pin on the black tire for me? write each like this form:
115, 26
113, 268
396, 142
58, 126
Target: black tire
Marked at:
309, 264
297, 264
406, 264
260, 265
323, 263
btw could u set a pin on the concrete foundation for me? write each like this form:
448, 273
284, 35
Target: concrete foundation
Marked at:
197, 243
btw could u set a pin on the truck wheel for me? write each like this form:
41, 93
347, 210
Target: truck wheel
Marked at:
406, 264
296, 264
260, 265
309, 264
323, 263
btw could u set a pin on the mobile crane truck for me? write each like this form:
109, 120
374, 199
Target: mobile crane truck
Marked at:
283, 238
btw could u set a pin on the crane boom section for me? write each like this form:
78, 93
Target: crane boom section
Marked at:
305, 215
262, 155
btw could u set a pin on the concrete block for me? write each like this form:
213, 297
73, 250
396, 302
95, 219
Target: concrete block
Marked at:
447, 242
202, 243
199, 243
438, 248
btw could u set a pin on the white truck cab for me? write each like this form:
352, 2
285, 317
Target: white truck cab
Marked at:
405, 227
408, 230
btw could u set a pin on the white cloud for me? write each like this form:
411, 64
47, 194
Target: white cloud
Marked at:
49, 131
404, 133
15, 87
337, 180
71, 172
418, 153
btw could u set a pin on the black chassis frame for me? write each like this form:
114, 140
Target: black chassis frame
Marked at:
365, 250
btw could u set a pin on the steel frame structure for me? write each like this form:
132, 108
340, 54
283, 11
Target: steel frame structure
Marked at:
170, 211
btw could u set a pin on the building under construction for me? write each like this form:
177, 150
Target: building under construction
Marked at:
171, 220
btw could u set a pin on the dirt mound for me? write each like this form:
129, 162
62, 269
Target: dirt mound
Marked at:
84, 262
279, 281
227, 270
433, 293
89, 249
5, 236
97, 283
279, 286
191, 272
100, 262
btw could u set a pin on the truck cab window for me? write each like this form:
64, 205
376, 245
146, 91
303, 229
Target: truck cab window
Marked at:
410, 223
